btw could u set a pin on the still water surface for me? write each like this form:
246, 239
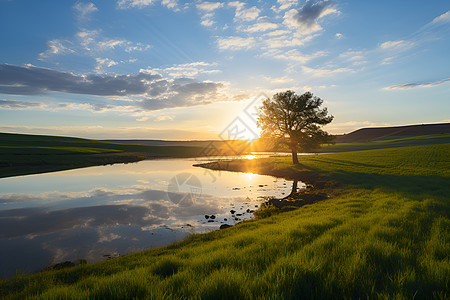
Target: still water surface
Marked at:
100, 212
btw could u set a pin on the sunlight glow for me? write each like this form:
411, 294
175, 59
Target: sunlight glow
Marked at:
249, 176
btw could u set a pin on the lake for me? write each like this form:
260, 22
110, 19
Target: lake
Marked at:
100, 212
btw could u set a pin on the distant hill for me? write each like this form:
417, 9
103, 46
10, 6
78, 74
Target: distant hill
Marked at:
381, 133
164, 142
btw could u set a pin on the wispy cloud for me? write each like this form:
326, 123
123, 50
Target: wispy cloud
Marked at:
105, 63
126, 4
236, 43
57, 47
244, 13
407, 86
90, 42
207, 12
283, 79
171, 4
261, 26
325, 72
444, 18
190, 70
84, 10
16, 104
209, 6
396, 45
294, 55
285, 4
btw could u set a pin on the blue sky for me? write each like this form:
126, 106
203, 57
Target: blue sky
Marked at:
176, 69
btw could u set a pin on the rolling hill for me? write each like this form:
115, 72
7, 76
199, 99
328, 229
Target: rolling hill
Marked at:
381, 133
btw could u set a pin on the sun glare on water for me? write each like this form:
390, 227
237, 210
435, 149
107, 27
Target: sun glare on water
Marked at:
249, 176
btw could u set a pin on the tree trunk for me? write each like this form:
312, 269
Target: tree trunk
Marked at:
294, 156
294, 189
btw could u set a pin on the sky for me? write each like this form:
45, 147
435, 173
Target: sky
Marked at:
182, 70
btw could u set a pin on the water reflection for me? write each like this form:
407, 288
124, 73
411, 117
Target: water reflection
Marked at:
104, 211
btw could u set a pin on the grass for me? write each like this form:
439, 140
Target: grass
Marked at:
384, 233
22, 154
431, 139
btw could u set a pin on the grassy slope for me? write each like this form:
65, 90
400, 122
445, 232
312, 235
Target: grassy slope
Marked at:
27, 154
384, 233
431, 139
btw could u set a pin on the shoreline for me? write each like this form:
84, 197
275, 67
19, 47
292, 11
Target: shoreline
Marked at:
317, 189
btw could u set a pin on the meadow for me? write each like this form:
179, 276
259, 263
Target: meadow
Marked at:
384, 232
391, 142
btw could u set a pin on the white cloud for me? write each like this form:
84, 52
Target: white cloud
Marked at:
444, 18
244, 14
188, 70
171, 4
207, 10
294, 55
339, 35
136, 47
110, 43
56, 47
123, 4
325, 72
286, 41
207, 22
396, 45
92, 40
261, 26
387, 60
209, 6
283, 79
307, 18
352, 56
277, 33
84, 10
236, 43
285, 4
105, 63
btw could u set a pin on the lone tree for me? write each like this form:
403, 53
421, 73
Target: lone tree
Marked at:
294, 120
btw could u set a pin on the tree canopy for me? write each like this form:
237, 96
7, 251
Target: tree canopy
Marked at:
295, 120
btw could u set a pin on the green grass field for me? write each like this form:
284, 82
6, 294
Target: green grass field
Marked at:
383, 233
431, 139
22, 154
